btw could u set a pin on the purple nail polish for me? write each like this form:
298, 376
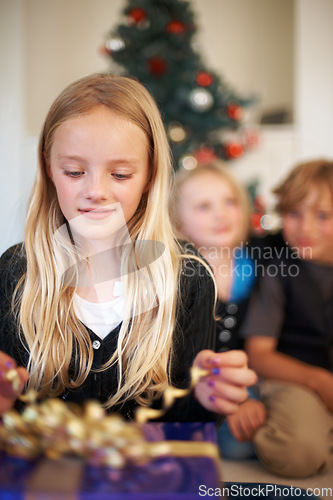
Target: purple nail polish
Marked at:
212, 398
211, 383
9, 364
215, 371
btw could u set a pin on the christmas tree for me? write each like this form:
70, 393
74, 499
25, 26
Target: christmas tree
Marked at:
154, 43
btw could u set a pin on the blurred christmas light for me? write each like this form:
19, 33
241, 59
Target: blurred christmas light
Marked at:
115, 44
176, 132
201, 100
270, 222
188, 162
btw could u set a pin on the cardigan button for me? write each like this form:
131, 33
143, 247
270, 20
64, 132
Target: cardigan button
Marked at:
229, 322
232, 308
224, 335
96, 344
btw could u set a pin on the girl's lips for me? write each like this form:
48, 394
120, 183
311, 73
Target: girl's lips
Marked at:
97, 213
219, 230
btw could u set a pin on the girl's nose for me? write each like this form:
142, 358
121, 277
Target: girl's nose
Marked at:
96, 188
220, 210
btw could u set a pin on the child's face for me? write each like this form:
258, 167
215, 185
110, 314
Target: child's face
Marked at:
99, 165
210, 214
309, 226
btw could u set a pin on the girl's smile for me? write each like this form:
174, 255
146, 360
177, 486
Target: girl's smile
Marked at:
97, 213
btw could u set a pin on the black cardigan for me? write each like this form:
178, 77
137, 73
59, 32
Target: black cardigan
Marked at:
194, 331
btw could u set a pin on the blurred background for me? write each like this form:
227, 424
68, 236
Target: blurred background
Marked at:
279, 50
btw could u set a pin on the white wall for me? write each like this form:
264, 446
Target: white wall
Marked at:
249, 43
11, 135
314, 70
279, 147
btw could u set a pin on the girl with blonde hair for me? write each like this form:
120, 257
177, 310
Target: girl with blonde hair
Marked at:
98, 302
211, 210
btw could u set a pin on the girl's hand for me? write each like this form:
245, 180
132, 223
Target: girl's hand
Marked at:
248, 418
12, 380
225, 387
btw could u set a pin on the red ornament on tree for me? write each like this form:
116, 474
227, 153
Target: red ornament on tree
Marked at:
234, 150
137, 15
175, 27
255, 222
205, 155
204, 79
157, 66
235, 111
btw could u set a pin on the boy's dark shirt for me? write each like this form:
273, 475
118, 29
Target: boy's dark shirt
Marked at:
294, 303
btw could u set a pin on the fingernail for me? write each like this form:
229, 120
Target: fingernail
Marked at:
212, 398
9, 364
215, 371
211, 383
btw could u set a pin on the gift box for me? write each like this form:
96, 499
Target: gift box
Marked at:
187, 459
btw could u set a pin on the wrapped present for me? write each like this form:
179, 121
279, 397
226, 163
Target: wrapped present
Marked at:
182, 457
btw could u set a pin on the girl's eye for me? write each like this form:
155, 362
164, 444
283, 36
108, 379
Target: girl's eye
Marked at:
121, 177
323, 215
73, 173
203, 207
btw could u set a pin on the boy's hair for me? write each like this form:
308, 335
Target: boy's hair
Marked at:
298, 183
218, 168
44, 303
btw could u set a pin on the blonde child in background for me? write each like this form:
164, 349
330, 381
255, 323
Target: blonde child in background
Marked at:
211, 210
289, 328
97, 303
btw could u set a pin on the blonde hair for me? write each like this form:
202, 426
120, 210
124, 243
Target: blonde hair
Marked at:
50, 329
218, 168
298, 183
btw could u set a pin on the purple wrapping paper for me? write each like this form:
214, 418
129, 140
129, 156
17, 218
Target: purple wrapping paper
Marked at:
164, 478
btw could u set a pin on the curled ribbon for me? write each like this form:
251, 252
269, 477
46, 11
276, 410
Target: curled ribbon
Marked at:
55, 429
144, 414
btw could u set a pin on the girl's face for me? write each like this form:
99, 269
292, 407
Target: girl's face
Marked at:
309, 226
210, 213
99, 166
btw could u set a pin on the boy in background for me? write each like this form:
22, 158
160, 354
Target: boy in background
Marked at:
288, 330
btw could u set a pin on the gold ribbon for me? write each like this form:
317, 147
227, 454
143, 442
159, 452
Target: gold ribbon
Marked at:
55, 429
144, 414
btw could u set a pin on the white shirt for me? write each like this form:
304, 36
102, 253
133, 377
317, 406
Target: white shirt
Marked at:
101, 317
